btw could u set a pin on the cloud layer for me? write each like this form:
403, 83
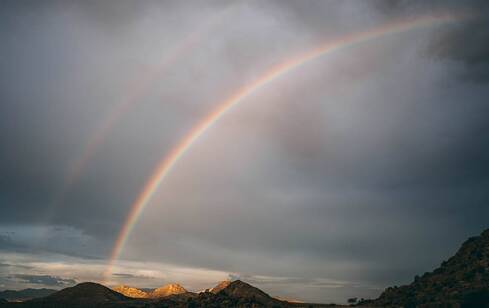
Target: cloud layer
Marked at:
354, 172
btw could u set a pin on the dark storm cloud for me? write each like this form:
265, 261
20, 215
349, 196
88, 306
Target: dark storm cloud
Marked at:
46, 280
57, 88
38, 83
360, 169
42, 239
466, 42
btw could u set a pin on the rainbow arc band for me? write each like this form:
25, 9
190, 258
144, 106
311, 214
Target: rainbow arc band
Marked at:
170, 159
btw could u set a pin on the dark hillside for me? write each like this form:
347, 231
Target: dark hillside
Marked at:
462, 281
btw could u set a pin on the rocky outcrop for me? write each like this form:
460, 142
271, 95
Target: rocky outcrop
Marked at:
167, 290
131, 292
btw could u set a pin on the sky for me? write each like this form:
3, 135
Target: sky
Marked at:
352, 173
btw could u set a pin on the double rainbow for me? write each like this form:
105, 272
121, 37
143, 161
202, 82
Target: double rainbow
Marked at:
169, 160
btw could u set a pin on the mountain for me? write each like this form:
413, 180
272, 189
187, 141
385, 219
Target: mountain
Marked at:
26, 294
221, 285
241, 290
167, 290
164, 291
87, 294
131, 292
82, 291
235, 294
462, 281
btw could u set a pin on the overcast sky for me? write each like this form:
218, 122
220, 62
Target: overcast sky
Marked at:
352, 173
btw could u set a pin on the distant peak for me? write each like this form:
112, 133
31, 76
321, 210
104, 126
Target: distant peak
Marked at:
240, 284
87, 291
242, 289
130, 291
167, 290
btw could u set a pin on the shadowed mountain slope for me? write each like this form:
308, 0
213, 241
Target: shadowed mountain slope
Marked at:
462, 281
87, 290
86, 294
241, 290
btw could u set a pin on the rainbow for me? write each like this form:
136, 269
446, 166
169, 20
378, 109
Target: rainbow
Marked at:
169, 161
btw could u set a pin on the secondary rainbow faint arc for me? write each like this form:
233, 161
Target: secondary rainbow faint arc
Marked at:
169, 160
136, 92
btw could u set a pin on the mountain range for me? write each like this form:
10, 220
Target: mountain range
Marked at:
166, 290
460, 282
89, 294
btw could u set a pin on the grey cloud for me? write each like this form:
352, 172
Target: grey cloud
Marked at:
466, 42
131, 276
446, 44
15, 266
473, 36
233, 277
41, 239
292, 280
46, 280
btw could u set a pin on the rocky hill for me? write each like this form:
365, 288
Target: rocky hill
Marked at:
167, 290
241, 290
461, 281
87, 294
131, 292
164, 291
237, 294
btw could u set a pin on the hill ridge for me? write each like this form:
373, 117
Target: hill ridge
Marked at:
462, 279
